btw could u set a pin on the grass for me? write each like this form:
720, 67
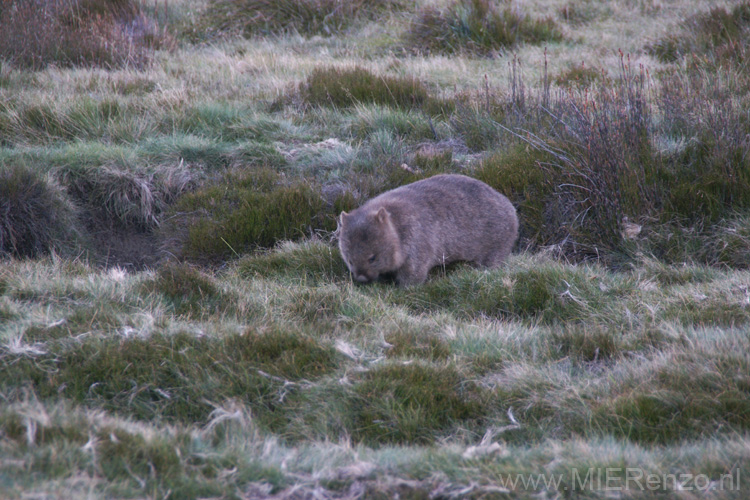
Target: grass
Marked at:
478, 26
716, 35
611, 366
246, 212
347, 87
176, 320
36, 216
407, 403
79, 33
307, 17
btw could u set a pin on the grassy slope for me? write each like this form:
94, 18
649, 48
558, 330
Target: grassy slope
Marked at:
277, 376
280, 372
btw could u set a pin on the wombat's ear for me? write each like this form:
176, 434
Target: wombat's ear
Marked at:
382, 215
342, 217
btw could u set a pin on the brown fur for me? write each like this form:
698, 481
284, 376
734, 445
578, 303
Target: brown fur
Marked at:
411, 229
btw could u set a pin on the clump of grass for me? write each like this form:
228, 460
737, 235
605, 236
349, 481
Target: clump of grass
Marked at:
580, 77
477, 129
312, 262
730, 242
595, 342
225, 121
548, 294
284, 354
423, 163
524, 175
124, 449
477, 26
202, 153
175, 377
416, 344
708, 178
717, 37
36, 33
318, 307
130, 456
129, 196
190, 292
372, 122
685, 393
346, 87
244, 211
101, 318
133, 86
587, 344
41, 120
36, 214
670, 274
579, 12
415, 404
432, 158
86, 119
274, 17
720, 309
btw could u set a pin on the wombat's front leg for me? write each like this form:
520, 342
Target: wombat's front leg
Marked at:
410, 275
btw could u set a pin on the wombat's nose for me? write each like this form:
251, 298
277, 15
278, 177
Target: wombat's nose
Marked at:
362, 278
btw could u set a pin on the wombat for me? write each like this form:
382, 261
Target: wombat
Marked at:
438, 220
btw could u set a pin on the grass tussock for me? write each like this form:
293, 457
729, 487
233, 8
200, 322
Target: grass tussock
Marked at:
85, 118
130, 196
113, 33
247, 211
411, 343
477, 26
685, 391
524, 177
312, 262
580, 76
717, 37
36, 215
100, 318
346, 87
412, 403
547, 294
581, 12
127, 456
306, 17
190, 292
178, 377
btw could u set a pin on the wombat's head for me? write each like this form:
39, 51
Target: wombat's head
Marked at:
369, 244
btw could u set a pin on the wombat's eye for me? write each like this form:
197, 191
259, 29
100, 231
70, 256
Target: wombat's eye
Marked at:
372, 258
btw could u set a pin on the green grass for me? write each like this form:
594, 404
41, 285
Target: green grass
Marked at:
105, 34
408, 403
243, 213
36, 215
176, 320
341, 87
282, 351
479, 26
307, 17
716, 35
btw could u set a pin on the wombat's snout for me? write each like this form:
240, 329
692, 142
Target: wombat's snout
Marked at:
362, 277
